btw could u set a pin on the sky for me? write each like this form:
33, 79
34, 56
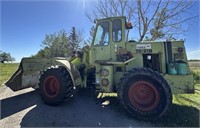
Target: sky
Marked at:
23, 24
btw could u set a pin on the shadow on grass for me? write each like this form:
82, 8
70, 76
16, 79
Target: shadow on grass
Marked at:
180, 116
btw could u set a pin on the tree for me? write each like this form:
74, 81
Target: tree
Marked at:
5, 57
59, 44
75, 39
55, 45
154, 19
166, 19
111, 8
42, 53
91, 36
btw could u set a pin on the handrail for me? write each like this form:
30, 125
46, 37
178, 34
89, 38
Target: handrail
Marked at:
114, 62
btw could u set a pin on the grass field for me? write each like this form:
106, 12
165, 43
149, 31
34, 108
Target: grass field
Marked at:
6, 70
184, 112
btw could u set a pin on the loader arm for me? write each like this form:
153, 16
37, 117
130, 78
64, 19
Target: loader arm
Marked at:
30, 69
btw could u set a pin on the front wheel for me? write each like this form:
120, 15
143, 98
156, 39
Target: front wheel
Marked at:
144, 93
55, 86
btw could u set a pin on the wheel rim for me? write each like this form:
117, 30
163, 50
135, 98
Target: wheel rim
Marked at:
51, 86
143, 95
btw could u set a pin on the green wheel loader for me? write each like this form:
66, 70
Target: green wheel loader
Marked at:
143, 74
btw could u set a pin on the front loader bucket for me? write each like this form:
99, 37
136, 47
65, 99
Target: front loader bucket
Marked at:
15, 81
30, 69
27, 75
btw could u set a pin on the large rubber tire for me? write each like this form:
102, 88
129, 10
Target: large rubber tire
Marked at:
55, 86
144, 93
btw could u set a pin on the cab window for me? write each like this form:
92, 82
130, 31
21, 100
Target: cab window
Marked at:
117, 30
102, 34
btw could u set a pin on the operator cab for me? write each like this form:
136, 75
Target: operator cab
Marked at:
109, 39
102, 34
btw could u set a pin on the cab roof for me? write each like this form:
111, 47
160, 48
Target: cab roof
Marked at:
111, 18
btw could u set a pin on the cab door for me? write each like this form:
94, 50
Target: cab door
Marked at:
118, 37
100, 49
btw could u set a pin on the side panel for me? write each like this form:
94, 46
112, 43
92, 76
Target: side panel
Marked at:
138, 50
180, 83
104, 78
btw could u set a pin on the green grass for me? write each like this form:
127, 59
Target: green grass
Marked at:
196, 74
187, 107
6, 71
190, 99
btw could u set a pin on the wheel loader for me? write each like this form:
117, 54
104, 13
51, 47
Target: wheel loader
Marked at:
143, 74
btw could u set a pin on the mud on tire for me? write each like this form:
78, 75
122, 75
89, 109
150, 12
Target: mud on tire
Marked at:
55, 86
144, 93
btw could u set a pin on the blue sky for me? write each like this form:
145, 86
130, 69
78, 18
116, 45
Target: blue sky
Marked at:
25, 23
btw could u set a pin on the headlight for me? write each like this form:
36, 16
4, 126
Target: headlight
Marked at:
180, 49
104, 72
104, 82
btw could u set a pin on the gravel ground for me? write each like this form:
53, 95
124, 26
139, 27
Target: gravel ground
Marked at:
25, 109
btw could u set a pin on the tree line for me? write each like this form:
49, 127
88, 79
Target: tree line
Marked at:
60, 44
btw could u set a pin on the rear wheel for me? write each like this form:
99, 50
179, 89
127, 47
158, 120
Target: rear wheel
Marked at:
144, 93
55, 86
